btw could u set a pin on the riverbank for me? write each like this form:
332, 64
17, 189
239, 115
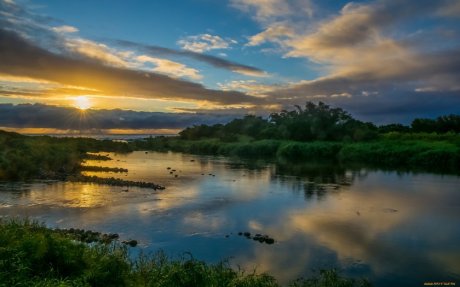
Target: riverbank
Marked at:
43, 157
426, 152
33, 255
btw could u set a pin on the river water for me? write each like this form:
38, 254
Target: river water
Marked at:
397, 229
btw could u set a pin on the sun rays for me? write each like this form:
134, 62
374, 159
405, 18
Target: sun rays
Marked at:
82, 103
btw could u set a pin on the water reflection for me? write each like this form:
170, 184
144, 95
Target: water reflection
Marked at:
397, 229
380, 232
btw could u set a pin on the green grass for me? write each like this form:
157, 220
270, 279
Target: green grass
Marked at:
330, 278
309, 150
44, 157
404, 153
33, 255
428, 152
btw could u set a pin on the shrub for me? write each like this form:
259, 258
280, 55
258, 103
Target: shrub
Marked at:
309, 151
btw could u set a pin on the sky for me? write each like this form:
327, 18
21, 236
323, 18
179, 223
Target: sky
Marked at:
158, 66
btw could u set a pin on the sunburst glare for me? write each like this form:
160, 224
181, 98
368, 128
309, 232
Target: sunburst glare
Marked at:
82, 102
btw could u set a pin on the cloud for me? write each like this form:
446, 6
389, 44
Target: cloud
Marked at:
32, 26
263, 9
266, 11
96, 51
155, 51
358, 28
357, 40
34, 50
273, 33
370, 60
65, 29
21, 58
53, 117
36, 89
36, 28
204, 42
450, 9
250, 87
171, 68
375, 58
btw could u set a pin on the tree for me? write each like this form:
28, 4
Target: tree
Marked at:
316, 122
442, 124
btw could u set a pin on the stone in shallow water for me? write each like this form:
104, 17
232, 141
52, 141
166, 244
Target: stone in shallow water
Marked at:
132, 242
258, 237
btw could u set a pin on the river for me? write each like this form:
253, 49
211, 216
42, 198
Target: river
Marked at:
395, 228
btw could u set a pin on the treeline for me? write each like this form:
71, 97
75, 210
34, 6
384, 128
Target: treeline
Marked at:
25, 157
318, 132
312, 123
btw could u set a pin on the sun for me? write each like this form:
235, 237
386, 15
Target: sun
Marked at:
82, 102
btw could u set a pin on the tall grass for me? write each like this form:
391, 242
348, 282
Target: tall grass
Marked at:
428, 152
407, 153
262, 148
330, 278
309, 150
33, 255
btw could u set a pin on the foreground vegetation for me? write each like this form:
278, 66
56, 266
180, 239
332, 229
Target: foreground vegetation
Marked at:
33, 255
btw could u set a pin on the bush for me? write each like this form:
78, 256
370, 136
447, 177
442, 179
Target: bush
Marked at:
309, 151
27, 157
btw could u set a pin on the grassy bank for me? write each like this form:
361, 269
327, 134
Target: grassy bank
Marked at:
26, 157
429, 152
33, 255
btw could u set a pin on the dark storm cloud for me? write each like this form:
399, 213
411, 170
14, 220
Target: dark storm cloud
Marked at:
19, 57
211, 60
45, 116
422, 83
400, 106
378, 68
17, 18
438, 71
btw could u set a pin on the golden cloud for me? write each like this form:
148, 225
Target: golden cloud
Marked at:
171, 68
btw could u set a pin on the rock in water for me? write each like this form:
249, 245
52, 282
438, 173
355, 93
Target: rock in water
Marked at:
132, 242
